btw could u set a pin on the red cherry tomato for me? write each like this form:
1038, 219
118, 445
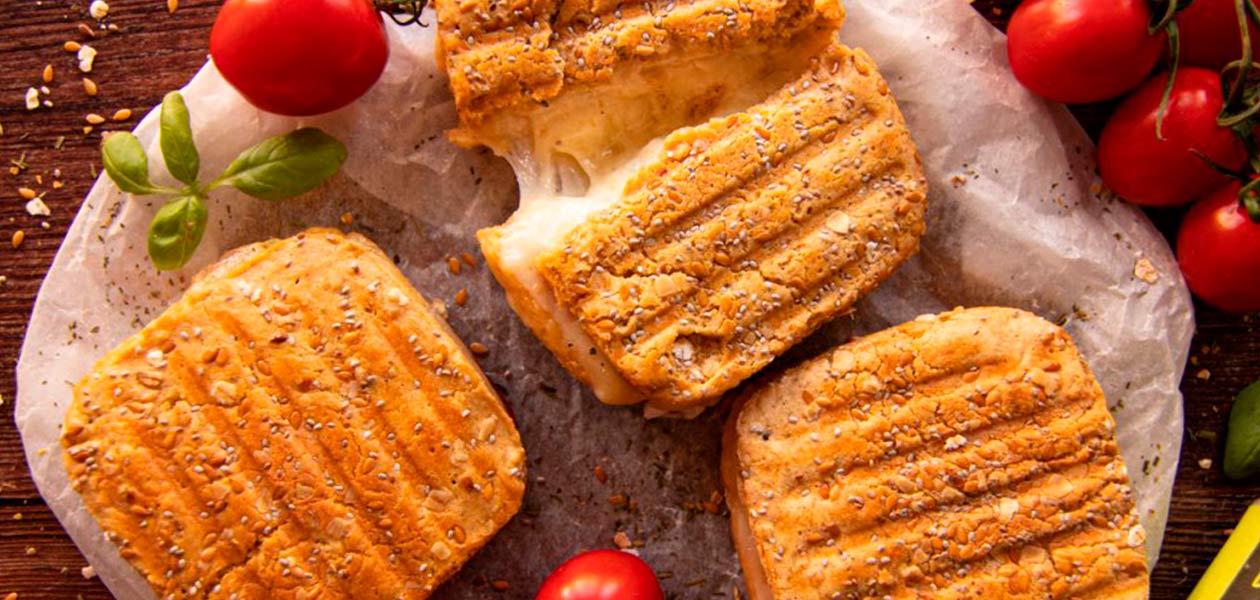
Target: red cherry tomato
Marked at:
602, 575
1081, 51
1210, 36
1146, 170
299, 57
1219, 251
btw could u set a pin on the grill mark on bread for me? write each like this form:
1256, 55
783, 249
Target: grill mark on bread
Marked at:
788, 270
226, 430
996, 579
639, 307
762, 197
939, 502
945, 562
872, 424
301, 444
730, 190
904, 480
389, 530
945, 532
503, 56
166, 460
705, 169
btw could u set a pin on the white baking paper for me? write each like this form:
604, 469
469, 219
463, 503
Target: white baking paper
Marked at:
1016, 218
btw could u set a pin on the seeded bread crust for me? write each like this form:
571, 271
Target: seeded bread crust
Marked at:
501, 55
749, 233
300, 424
964, 455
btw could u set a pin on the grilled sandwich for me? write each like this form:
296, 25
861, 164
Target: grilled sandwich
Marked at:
300, 424
703, 184
964, 455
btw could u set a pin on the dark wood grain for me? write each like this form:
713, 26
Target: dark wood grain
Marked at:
154, 51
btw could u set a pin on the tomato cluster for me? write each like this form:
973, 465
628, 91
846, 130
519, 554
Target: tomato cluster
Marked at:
1171, 141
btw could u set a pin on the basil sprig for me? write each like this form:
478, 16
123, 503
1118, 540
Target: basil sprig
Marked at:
1242, 441
281, 167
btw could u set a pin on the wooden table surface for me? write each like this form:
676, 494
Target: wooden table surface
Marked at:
153, 51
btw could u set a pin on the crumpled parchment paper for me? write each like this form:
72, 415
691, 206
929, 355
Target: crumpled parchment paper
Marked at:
1016, 218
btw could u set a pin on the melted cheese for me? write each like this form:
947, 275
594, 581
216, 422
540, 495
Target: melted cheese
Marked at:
540, 224
574, 156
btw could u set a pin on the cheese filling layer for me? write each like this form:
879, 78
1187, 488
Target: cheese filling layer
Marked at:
574, 156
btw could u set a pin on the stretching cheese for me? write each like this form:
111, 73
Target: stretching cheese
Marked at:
692, 204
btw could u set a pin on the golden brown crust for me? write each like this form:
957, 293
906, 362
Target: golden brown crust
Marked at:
299, 425
965, 455
748, 233
499, 55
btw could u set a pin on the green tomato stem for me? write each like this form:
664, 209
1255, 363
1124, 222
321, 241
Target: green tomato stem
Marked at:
1174, 45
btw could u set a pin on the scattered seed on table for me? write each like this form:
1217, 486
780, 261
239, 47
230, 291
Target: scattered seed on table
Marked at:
37, 208
72, 46
99, 9
18, 237
1, 129
479, 348
461, 297
452, 263
347, 219
47, 75
32, 99
172, 6
26, 193
122, 114
89, 87
87, 129
86, 56
94, 119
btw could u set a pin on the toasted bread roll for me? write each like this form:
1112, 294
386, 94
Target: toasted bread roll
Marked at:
965, 455
703, 184
747, 234
299, 425
505, 55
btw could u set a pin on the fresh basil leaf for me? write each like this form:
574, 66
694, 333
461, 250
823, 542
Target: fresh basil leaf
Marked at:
1242, 442
176, 230
126, 163
175, 137
285, 166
